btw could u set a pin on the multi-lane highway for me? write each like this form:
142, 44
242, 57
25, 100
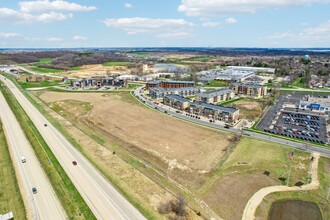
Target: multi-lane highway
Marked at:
163, 108
102, 198
44, 204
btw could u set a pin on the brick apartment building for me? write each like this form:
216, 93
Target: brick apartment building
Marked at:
249, 89
169, 84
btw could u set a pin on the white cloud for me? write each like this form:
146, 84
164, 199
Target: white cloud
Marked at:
41, 11
314, 35
157, 27
128, 5
54, 39
58, 5
227, 7
8, 35
79, 38
174, 35
211, 24
231, 20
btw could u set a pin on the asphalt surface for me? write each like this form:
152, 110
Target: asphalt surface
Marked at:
44, 204
308, 147
102, 198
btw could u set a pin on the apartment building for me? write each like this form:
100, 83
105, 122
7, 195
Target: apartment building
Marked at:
156, 93
215, 96
249, 89
169, 84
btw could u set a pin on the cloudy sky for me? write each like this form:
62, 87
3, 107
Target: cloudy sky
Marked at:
164, 23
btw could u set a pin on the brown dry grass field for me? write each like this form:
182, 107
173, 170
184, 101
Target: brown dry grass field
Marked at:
189, 154
180, 144
249, 109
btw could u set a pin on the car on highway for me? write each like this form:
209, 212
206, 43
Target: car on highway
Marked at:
45, 125
74, 163
227, 126
34, 190
23, 159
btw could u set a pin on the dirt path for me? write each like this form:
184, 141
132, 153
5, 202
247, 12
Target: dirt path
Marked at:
256, 199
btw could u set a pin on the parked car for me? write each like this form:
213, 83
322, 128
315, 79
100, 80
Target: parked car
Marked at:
74, 162
34, 190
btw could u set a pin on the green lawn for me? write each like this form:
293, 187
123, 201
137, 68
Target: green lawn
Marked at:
267, 156
10, 197
298, 83
216, 83
76, 68
203, 59
26, 85
46, 70
116, 63
43, 61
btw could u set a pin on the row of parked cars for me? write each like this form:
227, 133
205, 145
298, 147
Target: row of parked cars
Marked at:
302, 135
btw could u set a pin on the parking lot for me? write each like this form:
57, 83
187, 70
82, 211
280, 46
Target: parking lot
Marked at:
301, 126
286, 120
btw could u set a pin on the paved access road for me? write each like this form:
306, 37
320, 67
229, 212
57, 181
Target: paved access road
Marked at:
44, 204
163, 108
102, 198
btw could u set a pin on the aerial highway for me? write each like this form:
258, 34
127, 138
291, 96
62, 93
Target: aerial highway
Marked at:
43, 204
309, 147
102, 198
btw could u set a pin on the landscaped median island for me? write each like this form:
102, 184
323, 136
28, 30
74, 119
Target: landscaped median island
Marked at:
71, 200
10, 196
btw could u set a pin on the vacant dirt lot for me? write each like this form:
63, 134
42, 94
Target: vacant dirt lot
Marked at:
179, 144
249, 109
97, 70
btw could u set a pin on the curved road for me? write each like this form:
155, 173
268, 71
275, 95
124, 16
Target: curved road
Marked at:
102, 198
44, 204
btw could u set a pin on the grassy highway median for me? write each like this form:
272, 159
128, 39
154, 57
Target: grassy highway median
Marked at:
71, 200
10, 197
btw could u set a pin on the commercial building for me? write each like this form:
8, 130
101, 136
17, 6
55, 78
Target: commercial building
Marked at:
159, 92
316, 103
216, 112
98, 82
169, 84
215, 96
249, 89
176, 101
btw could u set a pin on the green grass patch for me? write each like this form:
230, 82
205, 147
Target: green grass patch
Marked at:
43, 61
71, 200
10, 196
203, 59
305, 91
299, 83
76, 68
26, 85
116, 63
265, 156
216, 83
